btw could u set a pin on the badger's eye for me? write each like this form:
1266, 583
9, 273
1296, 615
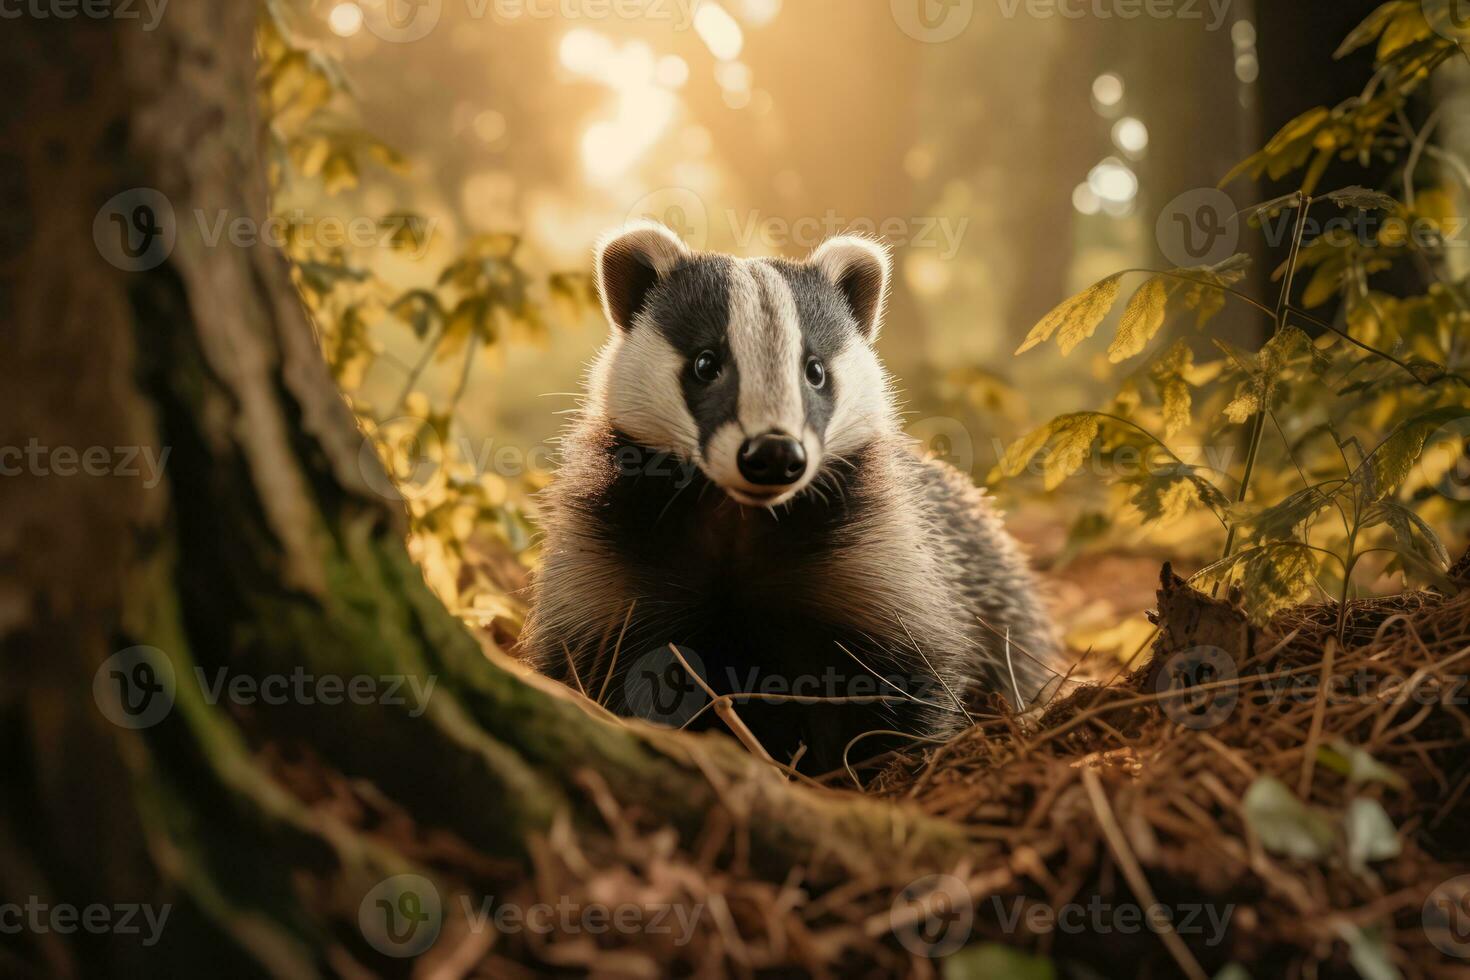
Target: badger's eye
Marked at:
816, 374
707, 366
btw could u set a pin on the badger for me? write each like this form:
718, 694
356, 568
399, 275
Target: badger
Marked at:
735, 497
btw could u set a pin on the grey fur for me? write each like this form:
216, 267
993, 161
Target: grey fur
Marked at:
899, 559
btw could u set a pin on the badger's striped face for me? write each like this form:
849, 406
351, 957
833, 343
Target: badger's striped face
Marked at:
760, 371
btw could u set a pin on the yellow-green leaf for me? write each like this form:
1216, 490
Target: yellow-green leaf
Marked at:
1170, 375
1274, 577
1371, 27
1076, 317
1020, 452
1142, 318
1244, 405
1398, 453
1322, 287
1073, 443
1073, 435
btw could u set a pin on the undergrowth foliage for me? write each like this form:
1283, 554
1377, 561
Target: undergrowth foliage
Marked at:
1352, 426
1355, 428
464, 312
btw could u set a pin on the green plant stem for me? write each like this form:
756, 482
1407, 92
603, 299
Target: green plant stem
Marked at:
1348, 564
1347, 582
1258, 423
416, 371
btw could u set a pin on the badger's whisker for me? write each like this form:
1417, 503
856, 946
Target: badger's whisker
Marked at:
937, 676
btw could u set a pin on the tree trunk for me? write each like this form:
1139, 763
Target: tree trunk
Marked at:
262, 551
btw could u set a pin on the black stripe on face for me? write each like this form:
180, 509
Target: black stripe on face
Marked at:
827, 326
690, 307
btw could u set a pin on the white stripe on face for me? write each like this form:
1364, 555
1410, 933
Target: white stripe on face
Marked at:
766, 344
864, 407
638, 374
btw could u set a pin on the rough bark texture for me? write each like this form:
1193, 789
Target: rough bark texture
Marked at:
263, 550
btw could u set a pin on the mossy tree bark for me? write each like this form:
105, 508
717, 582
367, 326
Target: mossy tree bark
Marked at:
262, 551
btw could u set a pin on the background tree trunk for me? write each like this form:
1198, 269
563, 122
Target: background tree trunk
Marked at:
262, 551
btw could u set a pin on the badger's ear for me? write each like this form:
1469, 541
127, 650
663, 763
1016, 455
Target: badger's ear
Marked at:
629, 262
859, 268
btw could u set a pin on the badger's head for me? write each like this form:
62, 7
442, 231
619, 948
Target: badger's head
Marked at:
759, 371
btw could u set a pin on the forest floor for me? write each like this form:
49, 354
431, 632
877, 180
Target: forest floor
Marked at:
1205, 808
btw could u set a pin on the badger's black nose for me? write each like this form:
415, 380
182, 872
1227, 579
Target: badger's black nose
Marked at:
772, 460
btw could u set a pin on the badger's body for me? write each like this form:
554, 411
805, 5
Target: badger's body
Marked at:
769, 518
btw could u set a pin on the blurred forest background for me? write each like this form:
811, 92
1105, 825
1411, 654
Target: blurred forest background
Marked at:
1010, 155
